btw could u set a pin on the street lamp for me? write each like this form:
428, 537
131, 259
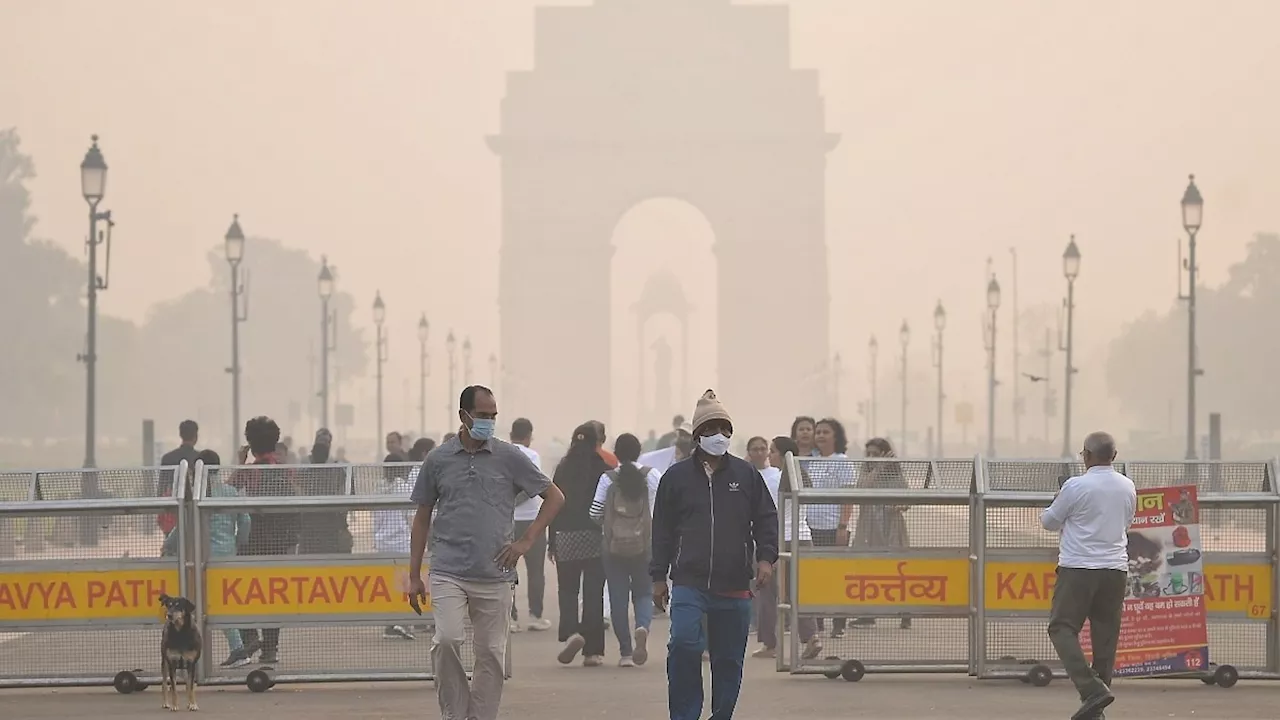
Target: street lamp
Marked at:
1070, 270
424, 330
379, 320
450, 345
327, 344
466, 362
939, 324
874, 348
93, 186
1192, 214
989, 341
234, 247
904, 336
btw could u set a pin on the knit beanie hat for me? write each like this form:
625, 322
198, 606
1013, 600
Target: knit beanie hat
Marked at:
708, 409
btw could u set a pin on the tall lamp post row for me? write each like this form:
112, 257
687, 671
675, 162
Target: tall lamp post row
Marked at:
327, 344
93, 186
989, 343
1192, 214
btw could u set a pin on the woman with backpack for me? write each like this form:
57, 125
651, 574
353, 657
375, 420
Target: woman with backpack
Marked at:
623, 506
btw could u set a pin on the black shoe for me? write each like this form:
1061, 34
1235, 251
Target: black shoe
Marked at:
268, 657
906, 624
1094, 705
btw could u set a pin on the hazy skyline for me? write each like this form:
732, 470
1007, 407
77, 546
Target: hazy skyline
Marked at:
357, 130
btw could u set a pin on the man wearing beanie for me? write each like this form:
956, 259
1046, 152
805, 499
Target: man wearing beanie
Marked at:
715, 532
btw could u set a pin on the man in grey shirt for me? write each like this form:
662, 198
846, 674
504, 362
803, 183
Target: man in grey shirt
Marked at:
473, 479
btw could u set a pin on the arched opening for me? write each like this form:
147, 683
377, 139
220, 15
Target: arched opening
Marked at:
663, 267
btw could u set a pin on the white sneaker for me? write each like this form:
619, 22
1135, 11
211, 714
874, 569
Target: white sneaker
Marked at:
626, 662
641, 652
571, 648
515, 627
593, 661
539, 624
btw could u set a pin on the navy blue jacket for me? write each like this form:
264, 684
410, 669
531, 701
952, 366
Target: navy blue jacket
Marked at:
710, 534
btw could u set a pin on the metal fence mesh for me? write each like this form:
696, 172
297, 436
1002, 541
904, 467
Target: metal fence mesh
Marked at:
884, 641
99, 653
341, 649
45, 538
1024, 641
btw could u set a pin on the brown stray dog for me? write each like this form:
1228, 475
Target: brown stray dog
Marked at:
179, 650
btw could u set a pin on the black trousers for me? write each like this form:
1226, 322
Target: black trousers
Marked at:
828, 538
589, 623
535, 563
1096, 596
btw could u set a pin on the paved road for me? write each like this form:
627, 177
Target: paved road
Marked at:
544, 690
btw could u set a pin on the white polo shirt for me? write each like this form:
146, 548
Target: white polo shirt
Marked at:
528, 510
1093, 512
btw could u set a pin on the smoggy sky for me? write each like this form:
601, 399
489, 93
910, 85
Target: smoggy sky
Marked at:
357, 129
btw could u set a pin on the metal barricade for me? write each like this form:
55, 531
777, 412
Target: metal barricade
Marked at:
900, 578
1240, 511
83, 562
317, 591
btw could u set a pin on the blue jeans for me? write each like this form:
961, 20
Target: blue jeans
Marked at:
728, 622
628, 581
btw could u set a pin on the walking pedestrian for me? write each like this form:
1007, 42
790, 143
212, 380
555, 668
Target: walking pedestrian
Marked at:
1093, 513
715, 531
880, 527
535, 561
575, 547
473, 479
833, 471
270, 533
623, 505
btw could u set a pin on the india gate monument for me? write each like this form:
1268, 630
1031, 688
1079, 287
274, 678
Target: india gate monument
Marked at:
631, 100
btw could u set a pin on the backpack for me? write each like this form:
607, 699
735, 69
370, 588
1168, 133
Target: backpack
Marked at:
627, 521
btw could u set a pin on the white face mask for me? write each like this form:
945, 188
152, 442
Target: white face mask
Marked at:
716, 445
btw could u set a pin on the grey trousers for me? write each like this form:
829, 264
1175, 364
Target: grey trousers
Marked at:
488, 606
1096, 596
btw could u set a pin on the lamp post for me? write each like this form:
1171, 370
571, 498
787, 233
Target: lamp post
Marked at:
466, 362
989, 338
904, 336
1192, 213
379, 320
1070, 270
93, 186
325, 282
939, 324
451, 345
424, 329
234, 247
874, 348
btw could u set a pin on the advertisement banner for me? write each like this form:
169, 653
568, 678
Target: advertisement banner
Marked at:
1164, 629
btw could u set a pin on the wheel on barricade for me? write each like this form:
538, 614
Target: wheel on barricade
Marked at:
125, 682
1040, 675
1226, 676
1024, 679
138, 685
853, 671
832, 674
1209, 680
261, 680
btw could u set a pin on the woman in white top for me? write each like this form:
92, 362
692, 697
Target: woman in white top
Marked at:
832, 471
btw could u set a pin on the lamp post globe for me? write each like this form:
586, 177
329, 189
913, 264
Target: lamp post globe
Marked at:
874, 345
379, 309
1071, 260
993, 294
93, 174
325, 280
424, 328
234, 241
939, 317
1192, 207
904, 334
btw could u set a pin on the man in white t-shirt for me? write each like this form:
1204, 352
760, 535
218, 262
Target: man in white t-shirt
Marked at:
680, 448
1093, 513
536, 559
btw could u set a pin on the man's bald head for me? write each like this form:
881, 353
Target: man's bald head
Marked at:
1099, 449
